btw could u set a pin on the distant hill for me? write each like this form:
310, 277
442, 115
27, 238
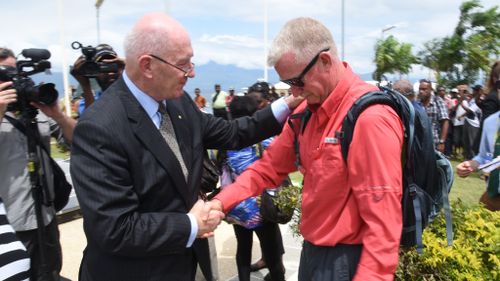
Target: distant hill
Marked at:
206, 76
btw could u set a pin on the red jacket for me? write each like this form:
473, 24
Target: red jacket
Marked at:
355, 204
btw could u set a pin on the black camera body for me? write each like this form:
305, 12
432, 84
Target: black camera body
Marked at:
93, 66
25, 87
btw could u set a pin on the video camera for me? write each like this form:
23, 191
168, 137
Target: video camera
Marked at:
93, 64
26, 89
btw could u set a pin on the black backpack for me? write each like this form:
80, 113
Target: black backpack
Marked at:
427, 174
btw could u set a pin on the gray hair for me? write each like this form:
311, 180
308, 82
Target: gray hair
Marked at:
404, 87
138, 42
304, 37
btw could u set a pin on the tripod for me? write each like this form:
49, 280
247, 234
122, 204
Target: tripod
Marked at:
38, 182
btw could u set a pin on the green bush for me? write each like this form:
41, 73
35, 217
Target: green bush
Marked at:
473, 256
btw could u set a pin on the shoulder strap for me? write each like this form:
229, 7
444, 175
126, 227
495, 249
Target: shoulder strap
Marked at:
215, 97
304, 117
20, 126
385, 96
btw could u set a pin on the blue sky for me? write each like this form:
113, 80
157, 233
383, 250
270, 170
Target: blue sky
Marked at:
227, 32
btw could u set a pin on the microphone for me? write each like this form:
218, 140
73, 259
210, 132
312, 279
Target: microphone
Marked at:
36, 54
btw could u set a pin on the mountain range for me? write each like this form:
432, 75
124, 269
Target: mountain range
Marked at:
207, 75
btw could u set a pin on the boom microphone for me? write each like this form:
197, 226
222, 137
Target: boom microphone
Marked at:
36, 54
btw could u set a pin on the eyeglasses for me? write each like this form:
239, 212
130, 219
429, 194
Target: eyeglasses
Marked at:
186, 71
297, 81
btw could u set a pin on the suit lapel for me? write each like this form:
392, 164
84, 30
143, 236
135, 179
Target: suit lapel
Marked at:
150, 136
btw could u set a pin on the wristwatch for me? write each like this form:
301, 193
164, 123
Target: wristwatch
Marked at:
441, 141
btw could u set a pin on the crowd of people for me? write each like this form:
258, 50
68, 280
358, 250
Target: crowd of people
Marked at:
137, 152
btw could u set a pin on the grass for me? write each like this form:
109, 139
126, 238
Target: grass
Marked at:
468, 190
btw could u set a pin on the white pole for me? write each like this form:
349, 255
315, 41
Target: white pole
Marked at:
343, 29
98, 28
67, 91
265, 40
98, 4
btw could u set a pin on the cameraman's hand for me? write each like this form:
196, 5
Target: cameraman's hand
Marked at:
54, 111
84, 81
119, 61
7, 96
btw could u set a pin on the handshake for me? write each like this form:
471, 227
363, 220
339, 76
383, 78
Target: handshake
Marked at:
208, 216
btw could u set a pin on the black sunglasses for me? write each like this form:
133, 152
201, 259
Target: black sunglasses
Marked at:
297, 81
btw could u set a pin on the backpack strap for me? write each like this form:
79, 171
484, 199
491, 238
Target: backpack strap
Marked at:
304, 117
443, 162
384, 96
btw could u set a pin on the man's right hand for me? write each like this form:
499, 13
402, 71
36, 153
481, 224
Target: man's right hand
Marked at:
465, 168
207, 218
7, 96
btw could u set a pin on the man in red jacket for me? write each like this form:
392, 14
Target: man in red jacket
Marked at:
351, 212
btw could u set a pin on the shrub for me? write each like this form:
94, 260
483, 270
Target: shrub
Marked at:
473, 256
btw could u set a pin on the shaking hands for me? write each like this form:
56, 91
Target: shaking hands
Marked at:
208, 216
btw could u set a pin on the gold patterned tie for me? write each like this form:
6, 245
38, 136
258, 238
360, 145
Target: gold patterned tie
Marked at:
168, 133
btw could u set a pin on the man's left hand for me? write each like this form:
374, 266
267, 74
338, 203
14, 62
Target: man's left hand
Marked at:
53, 111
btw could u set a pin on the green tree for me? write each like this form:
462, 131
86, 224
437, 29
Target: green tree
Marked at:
392, 57
473, 46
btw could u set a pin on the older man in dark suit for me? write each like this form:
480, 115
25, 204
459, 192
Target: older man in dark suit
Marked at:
137, 161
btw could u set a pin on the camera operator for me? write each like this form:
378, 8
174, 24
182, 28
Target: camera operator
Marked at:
104, 54
15, 186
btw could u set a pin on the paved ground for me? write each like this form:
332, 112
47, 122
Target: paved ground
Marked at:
73, 242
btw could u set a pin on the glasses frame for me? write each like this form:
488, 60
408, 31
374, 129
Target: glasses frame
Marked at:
186, 72
297, 81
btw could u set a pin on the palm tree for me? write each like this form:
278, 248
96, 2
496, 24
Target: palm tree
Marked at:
392, 57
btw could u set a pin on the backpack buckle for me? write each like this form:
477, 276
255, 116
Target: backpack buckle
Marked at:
412, 188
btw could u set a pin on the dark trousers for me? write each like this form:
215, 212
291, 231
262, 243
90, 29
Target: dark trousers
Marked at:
220, 112
338, 263
468, 135
272, 250
52, 250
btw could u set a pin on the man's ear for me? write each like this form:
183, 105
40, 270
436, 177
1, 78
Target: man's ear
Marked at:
325, 59
145, 66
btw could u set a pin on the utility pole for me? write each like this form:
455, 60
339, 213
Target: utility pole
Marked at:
387, 29
98, 4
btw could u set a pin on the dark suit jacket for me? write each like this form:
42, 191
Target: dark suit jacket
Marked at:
131, 189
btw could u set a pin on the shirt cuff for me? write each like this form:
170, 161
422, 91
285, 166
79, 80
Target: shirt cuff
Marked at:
194, 230
280, 110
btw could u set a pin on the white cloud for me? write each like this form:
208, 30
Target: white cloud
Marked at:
228, 32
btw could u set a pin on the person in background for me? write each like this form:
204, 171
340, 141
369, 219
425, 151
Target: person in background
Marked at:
491, 104
200, 101
15, 186
406, 89
351, 217
14, 259
437, 112
489, 147
219, 106
471, 116
104, 54
269, 234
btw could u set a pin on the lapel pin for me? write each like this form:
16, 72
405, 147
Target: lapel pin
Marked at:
180, 117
